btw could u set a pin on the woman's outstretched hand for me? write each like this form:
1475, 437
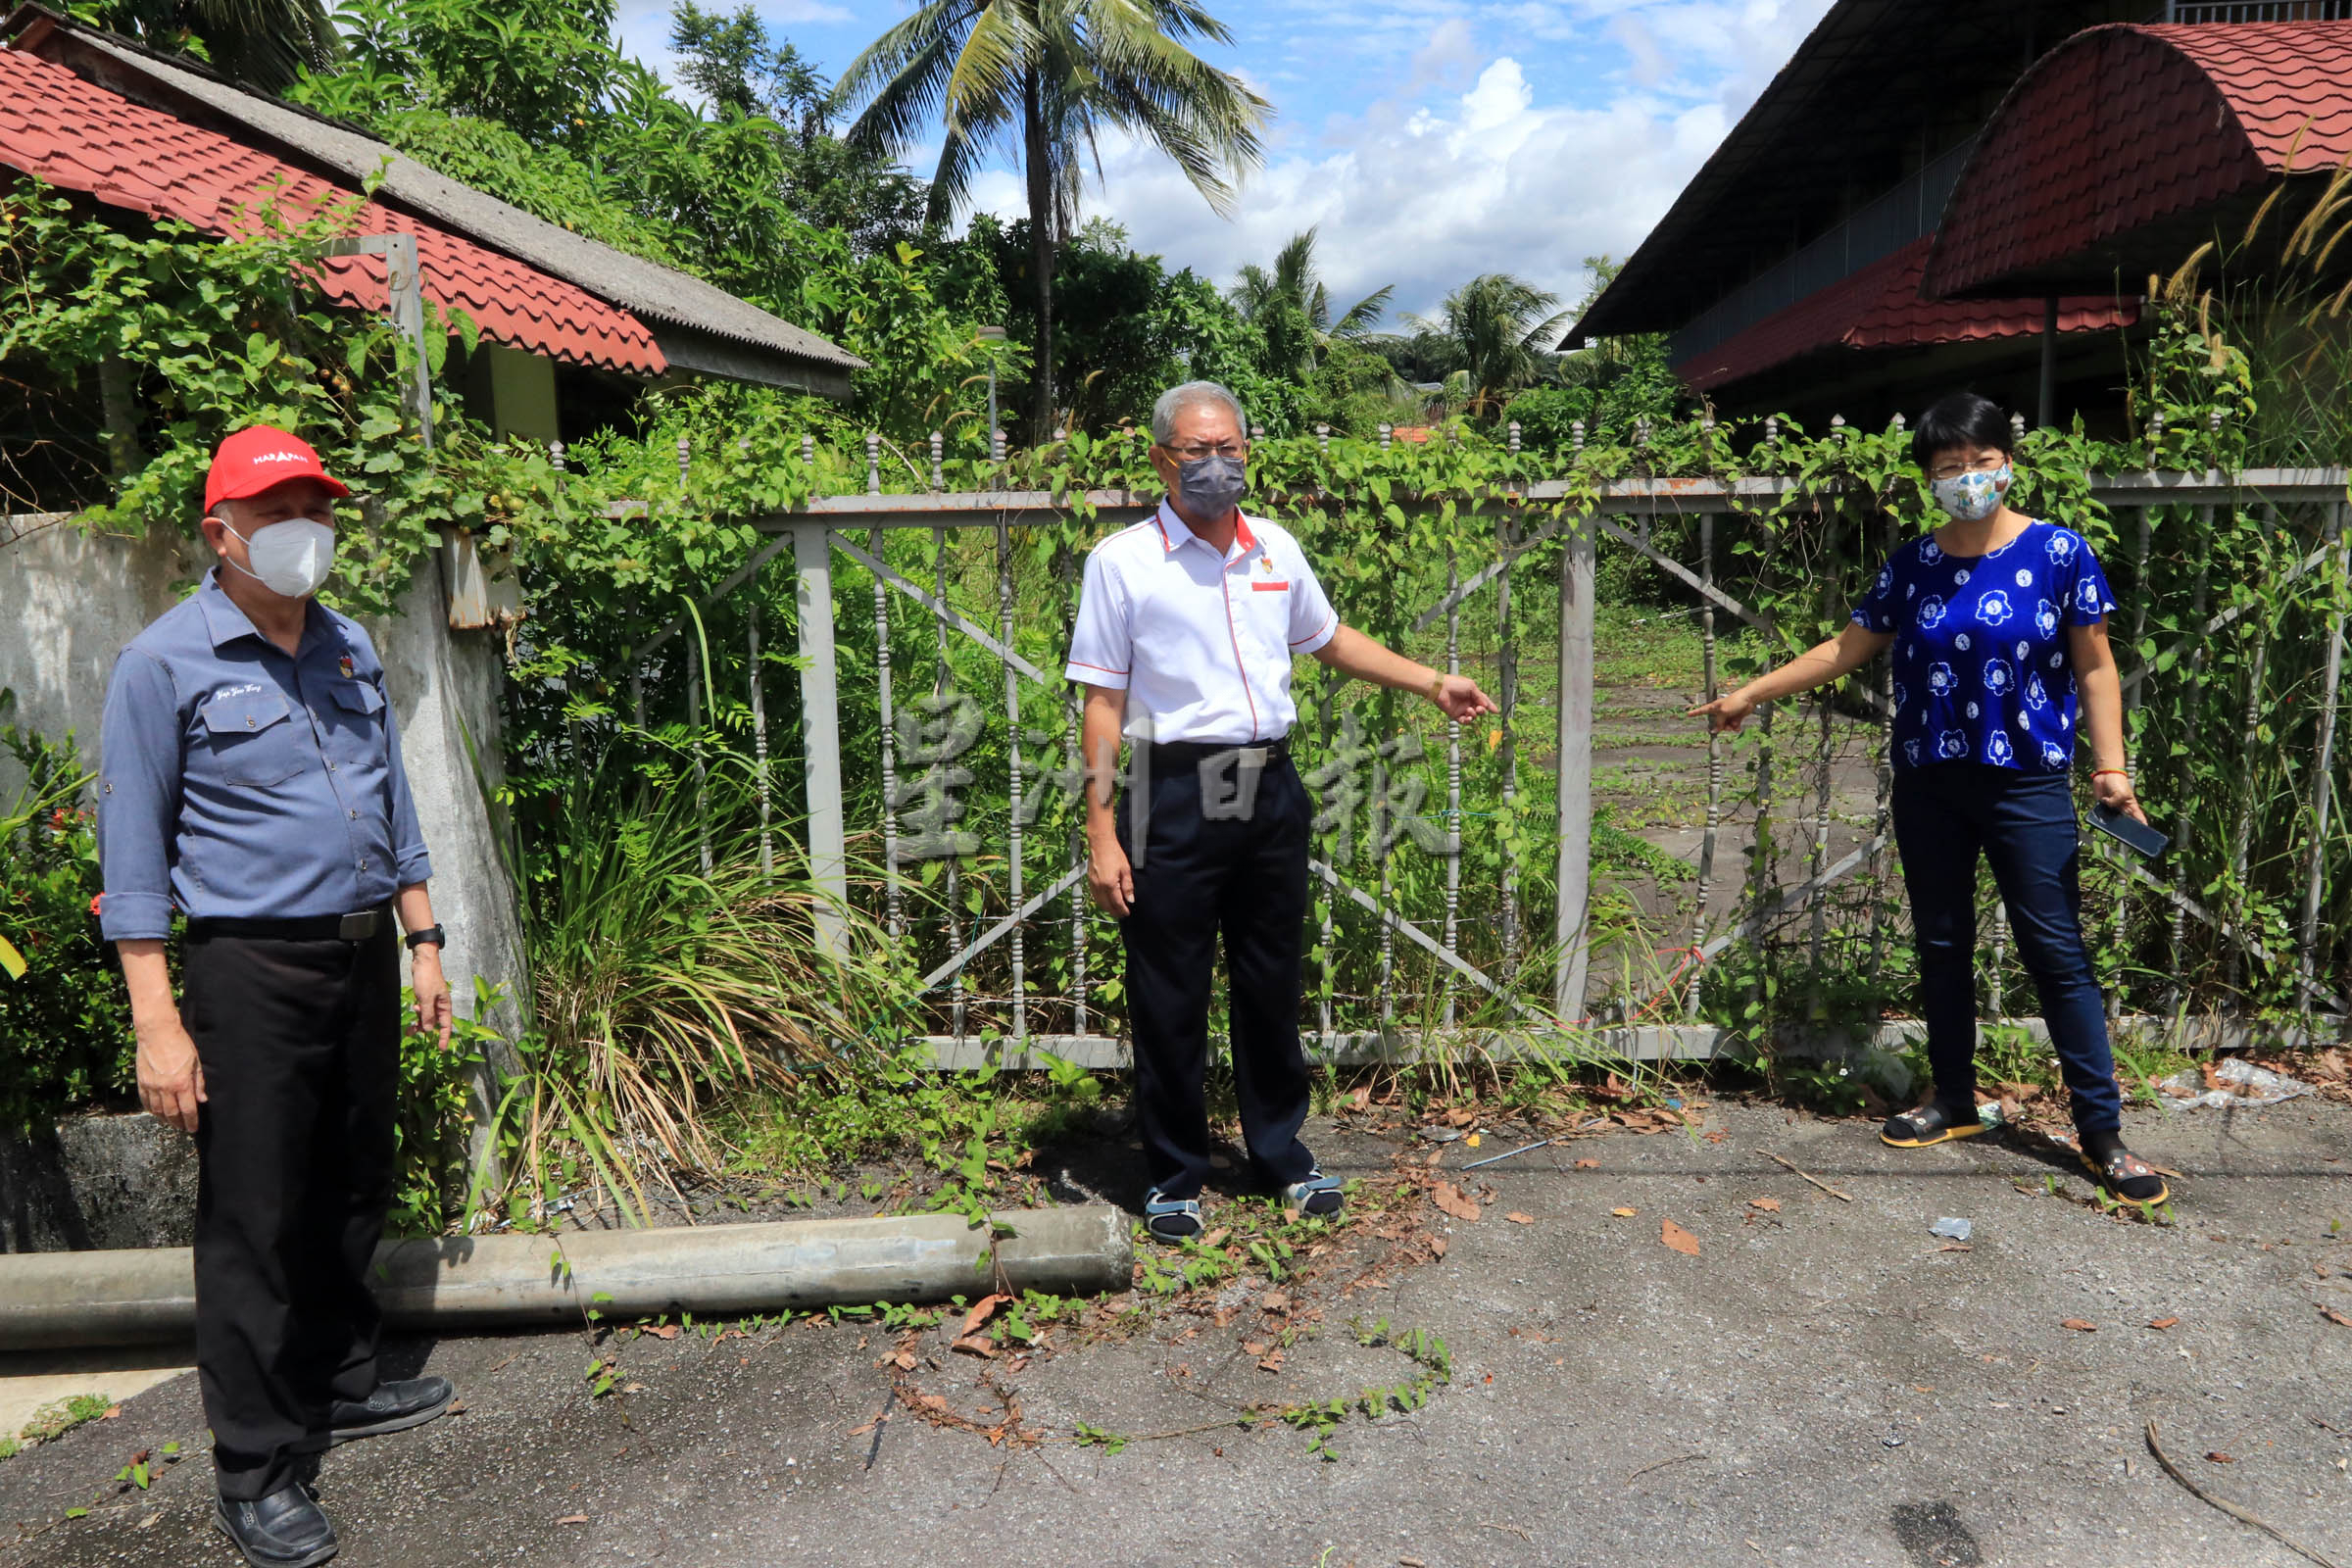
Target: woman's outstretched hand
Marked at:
1726, 712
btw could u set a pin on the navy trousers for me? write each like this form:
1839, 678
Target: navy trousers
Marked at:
296, 1154
1202, 876
1947, 814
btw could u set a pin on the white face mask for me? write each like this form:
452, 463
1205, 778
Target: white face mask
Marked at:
290, 557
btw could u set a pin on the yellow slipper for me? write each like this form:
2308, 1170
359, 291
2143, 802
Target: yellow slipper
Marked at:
1930, 1123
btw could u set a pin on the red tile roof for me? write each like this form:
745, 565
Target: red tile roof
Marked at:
1877, 306
74, 135
2120, 127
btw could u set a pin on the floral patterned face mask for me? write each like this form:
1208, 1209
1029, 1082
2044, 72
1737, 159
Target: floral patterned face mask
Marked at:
1972, 497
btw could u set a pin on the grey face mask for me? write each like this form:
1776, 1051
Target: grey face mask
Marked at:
1209, 486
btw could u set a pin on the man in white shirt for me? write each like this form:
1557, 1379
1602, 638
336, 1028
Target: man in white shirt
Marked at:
1187, 627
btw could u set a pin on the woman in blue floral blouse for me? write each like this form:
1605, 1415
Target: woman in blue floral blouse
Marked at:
1998, 626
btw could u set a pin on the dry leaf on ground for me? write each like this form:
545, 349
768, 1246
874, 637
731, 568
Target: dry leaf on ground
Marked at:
1624, 1213
2162, 1322
1680, 1239
1517, 1218
1451, 1199
2219, 1457
660, 1331
2081, 1325
975, 1345
982, 1310
573, 1519
1436, 1246
1770, 1206
2334, 1316
1587, 1165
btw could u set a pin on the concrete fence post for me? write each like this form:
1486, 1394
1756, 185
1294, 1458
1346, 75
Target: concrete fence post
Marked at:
820, 729
1577, 562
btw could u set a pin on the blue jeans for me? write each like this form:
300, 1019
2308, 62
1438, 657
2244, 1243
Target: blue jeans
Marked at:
1945, 815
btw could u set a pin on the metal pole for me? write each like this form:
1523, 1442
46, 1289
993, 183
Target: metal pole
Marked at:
892, 906
2241, 831
2183, 816
1065, 570
2140, 595
954, 872
2048, 412
2323, 782
767, 850
1506, 752
1012, 753
1578, 559
1453, 788
821, 733
1707, 839
702, 771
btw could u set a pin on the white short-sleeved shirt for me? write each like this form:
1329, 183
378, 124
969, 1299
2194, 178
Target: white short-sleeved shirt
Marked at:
1201, 646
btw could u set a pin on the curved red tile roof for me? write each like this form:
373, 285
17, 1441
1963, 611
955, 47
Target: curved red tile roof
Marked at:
1879, 305
2121, 126
70, 133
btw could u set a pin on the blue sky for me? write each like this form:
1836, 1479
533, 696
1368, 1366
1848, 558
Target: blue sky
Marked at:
1429, 140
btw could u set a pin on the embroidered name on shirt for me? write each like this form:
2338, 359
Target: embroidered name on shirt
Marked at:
233, 691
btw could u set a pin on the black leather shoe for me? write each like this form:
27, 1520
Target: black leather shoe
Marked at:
287, 1529
394, 1406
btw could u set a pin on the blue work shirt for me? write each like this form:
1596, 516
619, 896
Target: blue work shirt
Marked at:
242, 783
1980, 667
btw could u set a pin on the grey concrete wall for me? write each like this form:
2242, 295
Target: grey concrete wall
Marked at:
97, 1182
69, 600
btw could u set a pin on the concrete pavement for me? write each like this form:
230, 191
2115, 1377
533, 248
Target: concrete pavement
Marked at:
1822, 1383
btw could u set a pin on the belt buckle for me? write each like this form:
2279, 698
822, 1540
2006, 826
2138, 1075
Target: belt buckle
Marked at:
357, 927
1254, 755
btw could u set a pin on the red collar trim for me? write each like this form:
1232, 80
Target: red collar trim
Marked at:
1241, 534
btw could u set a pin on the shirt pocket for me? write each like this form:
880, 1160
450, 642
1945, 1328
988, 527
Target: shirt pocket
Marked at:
354, 733
250, 738
1268, 613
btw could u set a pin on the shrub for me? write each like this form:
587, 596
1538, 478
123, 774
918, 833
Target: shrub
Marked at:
64, 1021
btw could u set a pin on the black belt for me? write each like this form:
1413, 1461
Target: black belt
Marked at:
357, 926
1190, 754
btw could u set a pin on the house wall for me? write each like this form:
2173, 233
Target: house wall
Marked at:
73, 599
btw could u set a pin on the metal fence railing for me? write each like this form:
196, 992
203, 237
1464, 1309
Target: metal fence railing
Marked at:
1456, 873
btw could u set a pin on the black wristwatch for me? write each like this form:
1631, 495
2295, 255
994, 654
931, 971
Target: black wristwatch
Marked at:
431, 933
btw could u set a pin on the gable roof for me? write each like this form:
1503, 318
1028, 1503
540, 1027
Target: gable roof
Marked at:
694, 325
2122, 147
1878, 307
76, 137
1878, 88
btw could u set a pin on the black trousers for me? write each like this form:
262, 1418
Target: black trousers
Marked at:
300, 1043
1245, 878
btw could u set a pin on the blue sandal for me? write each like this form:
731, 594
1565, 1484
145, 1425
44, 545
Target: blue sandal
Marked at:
1319, 1196
1171, 1219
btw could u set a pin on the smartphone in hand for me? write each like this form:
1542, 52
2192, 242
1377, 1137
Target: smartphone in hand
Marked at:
2129, 831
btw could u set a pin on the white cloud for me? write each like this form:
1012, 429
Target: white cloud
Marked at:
1425, 190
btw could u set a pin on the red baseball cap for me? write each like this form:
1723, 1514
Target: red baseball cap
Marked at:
259, 457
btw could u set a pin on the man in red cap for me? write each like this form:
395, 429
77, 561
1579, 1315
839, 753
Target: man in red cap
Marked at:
250, 776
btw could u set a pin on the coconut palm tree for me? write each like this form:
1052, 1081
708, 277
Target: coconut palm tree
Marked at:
1039, 80
1500, 334
1292, 307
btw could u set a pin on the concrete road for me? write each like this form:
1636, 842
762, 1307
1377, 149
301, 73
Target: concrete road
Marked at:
1824, 1384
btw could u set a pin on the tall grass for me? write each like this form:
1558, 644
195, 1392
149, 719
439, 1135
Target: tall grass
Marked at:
660, 989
